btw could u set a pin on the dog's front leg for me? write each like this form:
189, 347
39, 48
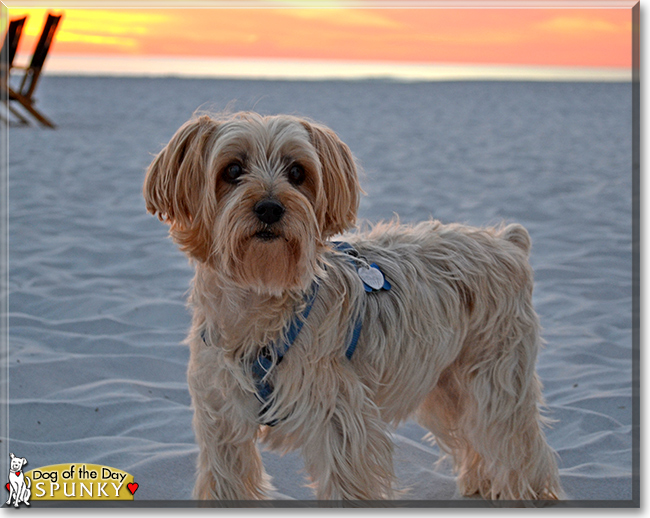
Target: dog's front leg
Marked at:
349, 455
229, 463
11, 493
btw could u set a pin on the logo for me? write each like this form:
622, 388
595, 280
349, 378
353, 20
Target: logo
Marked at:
19, 483
68, 482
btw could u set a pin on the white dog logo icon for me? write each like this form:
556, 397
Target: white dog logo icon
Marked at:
19, 484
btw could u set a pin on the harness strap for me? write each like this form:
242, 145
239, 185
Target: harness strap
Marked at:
355, 338
351, 252
263, 364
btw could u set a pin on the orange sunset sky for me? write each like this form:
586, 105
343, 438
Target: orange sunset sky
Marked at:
517, 36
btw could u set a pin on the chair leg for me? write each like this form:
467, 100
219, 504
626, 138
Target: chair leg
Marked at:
18, 115
10, 109
28, 105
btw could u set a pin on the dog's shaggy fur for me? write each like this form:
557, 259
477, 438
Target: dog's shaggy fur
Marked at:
453, 343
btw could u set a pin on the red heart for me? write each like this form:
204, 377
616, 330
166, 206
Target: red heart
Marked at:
17, 473
133, 487
7, 486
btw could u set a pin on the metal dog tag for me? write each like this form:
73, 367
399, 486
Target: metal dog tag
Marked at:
372, 277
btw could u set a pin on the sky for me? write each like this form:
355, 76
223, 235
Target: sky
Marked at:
537, 37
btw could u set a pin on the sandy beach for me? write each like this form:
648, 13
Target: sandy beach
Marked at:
97, 290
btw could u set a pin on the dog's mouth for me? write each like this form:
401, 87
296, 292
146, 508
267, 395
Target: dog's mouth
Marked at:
267, 235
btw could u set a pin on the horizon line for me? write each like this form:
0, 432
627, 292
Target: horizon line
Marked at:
312, 69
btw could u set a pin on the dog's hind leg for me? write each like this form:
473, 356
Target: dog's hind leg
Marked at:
441, 413
485, 413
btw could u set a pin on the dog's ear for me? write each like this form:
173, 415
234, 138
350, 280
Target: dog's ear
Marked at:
12, 455
174, 182
24, 461
340, 179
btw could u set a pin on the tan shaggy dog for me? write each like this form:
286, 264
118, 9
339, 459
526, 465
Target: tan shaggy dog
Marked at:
448, 333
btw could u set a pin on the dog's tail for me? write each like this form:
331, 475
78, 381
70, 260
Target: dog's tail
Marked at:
28, 482
517, 235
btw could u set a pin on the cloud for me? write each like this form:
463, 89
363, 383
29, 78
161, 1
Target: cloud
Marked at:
108, 28
101, 41
343, 17
575, 25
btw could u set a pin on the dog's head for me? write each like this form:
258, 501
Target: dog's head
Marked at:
16, 463
254, 197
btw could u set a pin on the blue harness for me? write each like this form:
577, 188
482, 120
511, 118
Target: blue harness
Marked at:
264, 362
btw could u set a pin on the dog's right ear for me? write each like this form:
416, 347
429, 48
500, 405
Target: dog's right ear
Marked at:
174, 183
12, 455
174, 179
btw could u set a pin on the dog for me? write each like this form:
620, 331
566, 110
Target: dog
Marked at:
19, 484
299, 340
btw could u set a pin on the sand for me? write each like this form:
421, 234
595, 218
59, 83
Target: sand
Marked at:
97, 290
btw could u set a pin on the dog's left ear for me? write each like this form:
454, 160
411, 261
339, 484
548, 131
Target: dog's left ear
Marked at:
340, 179
24, 461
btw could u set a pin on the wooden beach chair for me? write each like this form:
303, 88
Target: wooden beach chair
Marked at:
7, 55
10, 44
24, 94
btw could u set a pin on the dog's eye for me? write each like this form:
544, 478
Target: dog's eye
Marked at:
296, 174
232, 173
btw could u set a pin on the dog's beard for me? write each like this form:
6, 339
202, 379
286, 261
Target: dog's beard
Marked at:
268, 259
272, 265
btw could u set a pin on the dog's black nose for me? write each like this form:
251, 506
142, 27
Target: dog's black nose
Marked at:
268, 211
